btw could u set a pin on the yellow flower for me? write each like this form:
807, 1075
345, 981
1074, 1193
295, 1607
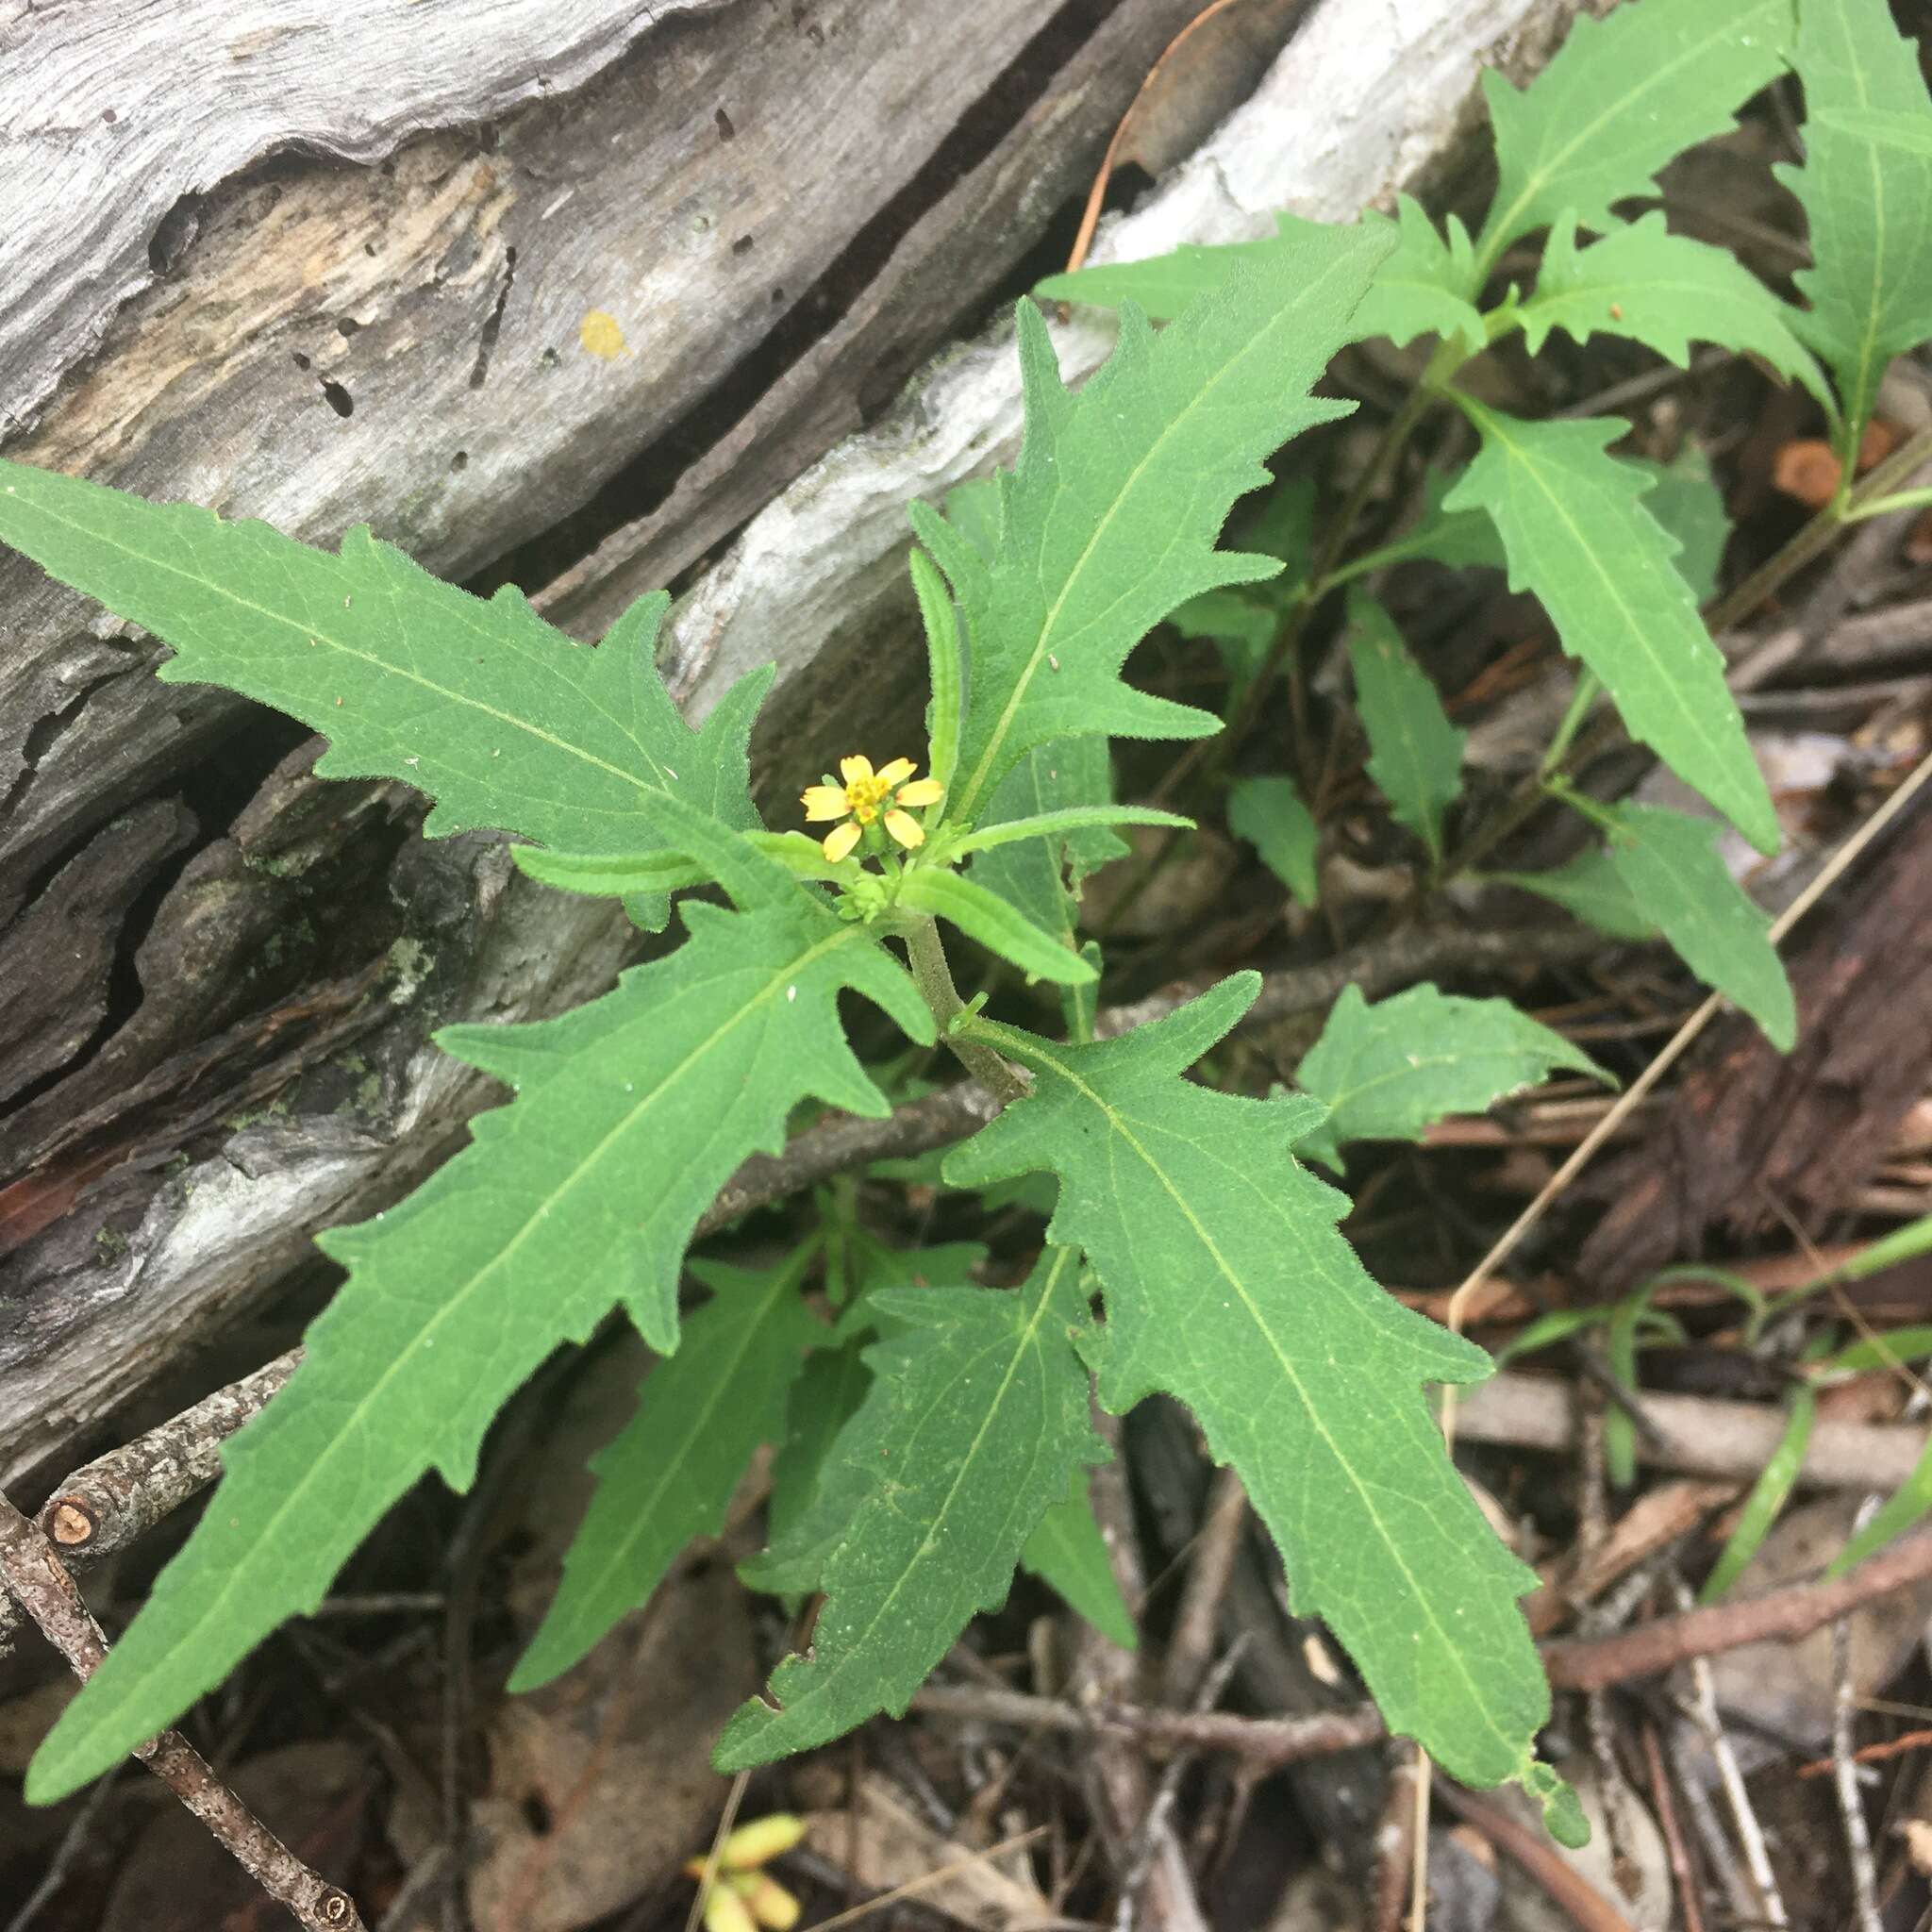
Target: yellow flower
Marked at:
867, 795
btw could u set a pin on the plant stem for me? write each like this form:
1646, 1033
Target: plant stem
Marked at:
933, 977
1885, 506
1588, 684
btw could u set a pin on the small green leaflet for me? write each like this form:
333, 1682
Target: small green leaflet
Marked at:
629, 874
1270, 815
669, 1474
1390, 1070
1415, 753
1109, 519
972, 1430
1239, 624
1068, 1555
989, 919
1227, 1283
1869, 202
1904, 1508
1689, 505
1666, 292
1042, 879
1427, 287
581, 1195
501, 720
1577, 535
1058, 825
1669, 862
1621, 97
1769, 1494
1592, 888
947, 666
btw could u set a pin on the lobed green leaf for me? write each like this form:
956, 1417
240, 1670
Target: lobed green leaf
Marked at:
1669, 862
1577, 534
630, 1113
505, 721
974, 1426
1666, 292
667, 1475
1227, 1283
1109, 518
1868, 200
1623, 95
1390, 1070
1415, 753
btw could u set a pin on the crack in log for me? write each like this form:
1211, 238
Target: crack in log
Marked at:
651, 475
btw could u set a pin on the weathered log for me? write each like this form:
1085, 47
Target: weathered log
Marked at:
120, 119
480, 422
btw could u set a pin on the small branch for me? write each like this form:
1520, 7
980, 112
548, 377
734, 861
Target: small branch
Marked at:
1265, 1742
33, 1571
1395, 1839
1851, 1801
1702, 1711
1698, 1435
1121, 1790
107, 1505
1568, 1890
1682, 1871
1782, 1616
1190, 1649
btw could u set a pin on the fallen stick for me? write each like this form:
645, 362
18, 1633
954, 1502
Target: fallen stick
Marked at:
38, 1582
105, 1506
1596, 1663
1696, 1435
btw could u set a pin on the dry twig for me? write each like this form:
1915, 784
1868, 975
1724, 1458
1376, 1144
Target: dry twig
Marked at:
1191, 1647
33, 1571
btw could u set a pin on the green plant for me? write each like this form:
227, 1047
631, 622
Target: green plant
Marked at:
933, 1433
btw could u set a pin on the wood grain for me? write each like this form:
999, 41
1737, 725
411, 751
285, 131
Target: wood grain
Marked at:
119, 116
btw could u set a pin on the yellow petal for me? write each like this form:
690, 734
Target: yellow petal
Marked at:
897, 772
922, 791
840, 840
906, 828
824, 801
772, 1904
764, 1838
855, 769
725, 1911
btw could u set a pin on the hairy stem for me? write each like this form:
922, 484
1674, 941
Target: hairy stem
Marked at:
933, 977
